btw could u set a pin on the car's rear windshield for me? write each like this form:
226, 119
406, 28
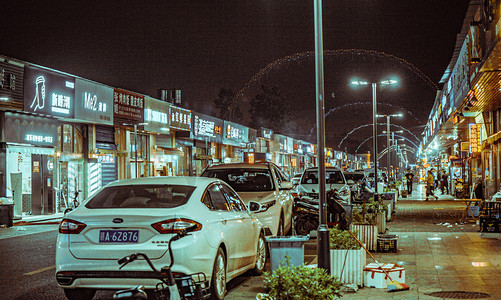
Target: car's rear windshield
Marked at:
353, 176
141, 196
243, 180
311, 177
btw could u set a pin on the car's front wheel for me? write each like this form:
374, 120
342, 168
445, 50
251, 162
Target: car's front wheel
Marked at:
79, 294
218, 281
260, 256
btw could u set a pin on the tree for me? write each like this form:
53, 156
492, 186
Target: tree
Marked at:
226, 106
270, 109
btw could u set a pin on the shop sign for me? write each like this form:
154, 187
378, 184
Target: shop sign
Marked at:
128, 105
308, 149
235, 134
156, 115
48, 93
31, 130
11, 85
180, 118
93, 102
106, 158
266, 133
474, 137
207, 128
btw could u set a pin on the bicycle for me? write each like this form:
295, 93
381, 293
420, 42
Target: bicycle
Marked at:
194, 286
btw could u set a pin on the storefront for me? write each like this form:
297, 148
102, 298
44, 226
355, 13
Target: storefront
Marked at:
180, 123
128, 114
208, 135
162, 153
93, 105
263, 145
30, 165
235, 140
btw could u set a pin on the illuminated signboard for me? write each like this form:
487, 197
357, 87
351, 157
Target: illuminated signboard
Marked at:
475, 145
93, 102
207, 128
180, 118
31, 130
235, 134
127, 106
156, 115
266, 133
48, 93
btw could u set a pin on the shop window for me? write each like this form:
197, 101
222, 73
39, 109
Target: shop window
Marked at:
142, 147
70, 139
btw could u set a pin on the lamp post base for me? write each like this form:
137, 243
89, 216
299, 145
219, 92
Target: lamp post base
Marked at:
323, 248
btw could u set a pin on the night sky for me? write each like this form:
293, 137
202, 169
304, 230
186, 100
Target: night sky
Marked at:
202, 46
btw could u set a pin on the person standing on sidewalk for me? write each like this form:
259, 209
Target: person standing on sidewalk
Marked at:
409, 176
445, 183
429, 186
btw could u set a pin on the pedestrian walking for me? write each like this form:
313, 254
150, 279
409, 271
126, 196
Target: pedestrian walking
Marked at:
409, 176
430, 181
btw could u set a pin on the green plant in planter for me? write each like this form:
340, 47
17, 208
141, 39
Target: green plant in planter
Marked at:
301, 282
365, 216
342, 240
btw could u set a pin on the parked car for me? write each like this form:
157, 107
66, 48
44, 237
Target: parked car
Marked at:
296, 179
334, 180
352, 178
264, 183
141, 215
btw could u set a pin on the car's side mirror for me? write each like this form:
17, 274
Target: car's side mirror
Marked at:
286, 185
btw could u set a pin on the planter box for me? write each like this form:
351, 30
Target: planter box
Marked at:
381, 222
376, 278
367, 234
392, 196
353, 262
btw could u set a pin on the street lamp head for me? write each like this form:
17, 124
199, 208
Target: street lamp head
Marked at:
359, 82
388, 82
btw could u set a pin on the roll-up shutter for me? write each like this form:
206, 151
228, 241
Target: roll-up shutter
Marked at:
106, 135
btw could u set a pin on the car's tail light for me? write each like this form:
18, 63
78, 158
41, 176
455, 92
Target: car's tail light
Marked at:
68, 226
175, 225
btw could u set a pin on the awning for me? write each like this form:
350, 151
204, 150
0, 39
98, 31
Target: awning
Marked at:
118, 153
493, 138
170, 151
30, 150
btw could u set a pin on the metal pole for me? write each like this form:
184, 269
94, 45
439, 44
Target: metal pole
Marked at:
323, 231
396, 154
135, 148
388, 145
374, 133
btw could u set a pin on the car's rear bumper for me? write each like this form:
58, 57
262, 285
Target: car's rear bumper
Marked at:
105, 278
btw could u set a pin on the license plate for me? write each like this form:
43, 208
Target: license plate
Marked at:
118, 236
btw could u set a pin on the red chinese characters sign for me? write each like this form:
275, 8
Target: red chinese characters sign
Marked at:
128, 105
474, 138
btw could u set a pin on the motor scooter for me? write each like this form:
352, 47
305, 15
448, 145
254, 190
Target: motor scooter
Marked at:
306, 212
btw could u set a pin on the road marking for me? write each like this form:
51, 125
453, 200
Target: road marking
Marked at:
40, 270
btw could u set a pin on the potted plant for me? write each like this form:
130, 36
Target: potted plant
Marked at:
300, 282
380, 211
365, 223
347, 257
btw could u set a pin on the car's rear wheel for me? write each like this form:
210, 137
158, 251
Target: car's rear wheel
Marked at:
79, 294
218, 281
260, 256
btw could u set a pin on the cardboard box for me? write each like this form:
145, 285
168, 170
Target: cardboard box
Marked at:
376, 278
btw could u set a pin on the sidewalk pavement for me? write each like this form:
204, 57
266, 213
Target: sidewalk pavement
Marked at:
442, 257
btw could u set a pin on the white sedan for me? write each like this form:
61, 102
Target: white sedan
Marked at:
264, 183
141, 215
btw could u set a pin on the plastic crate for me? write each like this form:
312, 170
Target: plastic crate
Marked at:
282, 246
387, 243
488, 224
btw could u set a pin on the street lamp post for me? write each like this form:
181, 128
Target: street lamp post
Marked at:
374, 124
323, 231
388, 157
